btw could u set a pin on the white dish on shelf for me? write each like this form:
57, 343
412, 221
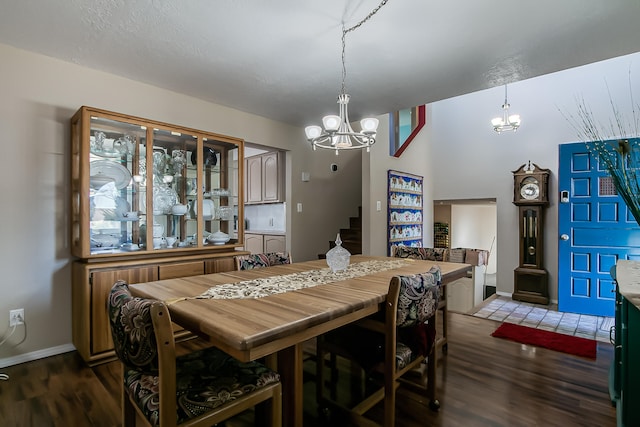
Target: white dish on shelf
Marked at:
179, 209
98, 181
218, 238
130, 247
220, 192
105, 169
208, 209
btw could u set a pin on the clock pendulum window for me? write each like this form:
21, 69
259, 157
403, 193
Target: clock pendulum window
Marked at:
531, 195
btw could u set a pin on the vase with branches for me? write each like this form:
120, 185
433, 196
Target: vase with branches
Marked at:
616, 145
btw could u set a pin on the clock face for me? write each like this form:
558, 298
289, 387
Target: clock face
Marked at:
530, 190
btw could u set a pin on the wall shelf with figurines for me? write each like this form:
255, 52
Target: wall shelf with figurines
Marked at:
405, 210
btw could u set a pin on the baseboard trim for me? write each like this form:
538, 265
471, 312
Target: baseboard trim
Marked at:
35, 355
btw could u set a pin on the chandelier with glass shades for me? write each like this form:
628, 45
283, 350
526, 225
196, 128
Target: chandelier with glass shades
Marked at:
506, 122
336, 132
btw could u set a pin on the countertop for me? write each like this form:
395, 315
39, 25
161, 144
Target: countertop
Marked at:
270, 232
628, 278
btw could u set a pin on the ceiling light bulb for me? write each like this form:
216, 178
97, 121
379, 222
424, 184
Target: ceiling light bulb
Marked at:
497, 121
312, 131
369, 125
331, 123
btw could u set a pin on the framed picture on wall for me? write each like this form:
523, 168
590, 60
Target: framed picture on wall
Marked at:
404, 206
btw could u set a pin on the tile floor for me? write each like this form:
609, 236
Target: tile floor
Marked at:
504, 309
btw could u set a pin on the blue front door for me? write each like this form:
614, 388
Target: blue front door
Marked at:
595, 229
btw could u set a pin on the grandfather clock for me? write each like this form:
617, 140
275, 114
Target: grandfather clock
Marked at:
531, 195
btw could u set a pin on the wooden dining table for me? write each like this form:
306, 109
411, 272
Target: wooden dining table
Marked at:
249, 328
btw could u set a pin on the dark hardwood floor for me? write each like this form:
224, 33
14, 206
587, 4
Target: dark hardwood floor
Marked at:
483, 381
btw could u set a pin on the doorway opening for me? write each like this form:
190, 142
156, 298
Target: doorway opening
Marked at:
470, 223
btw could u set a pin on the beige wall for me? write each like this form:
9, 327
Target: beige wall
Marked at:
416, 159
38, 97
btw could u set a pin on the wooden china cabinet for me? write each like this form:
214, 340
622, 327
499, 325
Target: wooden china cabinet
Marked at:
149, 201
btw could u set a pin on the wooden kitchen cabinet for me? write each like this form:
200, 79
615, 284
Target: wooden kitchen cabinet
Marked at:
271, 180
261, 243
254, 243
264, 178
274, 243
91, 286
92, 282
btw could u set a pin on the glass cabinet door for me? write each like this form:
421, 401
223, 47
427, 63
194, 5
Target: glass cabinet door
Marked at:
219, 166
116, 172
144, 186
173, 191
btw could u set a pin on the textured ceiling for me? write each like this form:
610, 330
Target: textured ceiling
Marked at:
281, 58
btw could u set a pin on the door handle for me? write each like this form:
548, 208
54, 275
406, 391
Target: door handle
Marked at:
564, 237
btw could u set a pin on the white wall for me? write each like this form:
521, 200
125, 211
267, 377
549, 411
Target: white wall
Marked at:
474, 226
461, 157
38, 97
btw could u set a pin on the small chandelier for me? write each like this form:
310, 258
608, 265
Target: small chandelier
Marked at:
506, 122
337, 133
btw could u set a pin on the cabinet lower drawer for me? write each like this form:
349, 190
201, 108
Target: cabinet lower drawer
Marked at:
183, 269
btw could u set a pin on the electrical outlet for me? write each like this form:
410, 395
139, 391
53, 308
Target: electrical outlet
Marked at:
16, 317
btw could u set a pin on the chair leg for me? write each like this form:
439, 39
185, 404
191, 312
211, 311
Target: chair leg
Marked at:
128, 411
275, 408
389, 402
333, 367
432, 363
320, 355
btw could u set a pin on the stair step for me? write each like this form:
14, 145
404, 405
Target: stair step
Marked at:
351, 237
355, 223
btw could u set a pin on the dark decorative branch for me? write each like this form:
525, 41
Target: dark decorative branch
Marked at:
616, 146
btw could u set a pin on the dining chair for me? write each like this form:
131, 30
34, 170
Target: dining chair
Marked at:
429, 254
394, 343
201, 388
267, 259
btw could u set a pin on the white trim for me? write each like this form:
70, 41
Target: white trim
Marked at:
35, 355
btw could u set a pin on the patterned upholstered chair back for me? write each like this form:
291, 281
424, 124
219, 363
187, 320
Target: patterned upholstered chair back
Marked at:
418, 297
431, 254
132, 329
248, 262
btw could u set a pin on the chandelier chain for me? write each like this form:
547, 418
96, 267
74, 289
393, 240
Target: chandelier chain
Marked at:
336, 132
344, 33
